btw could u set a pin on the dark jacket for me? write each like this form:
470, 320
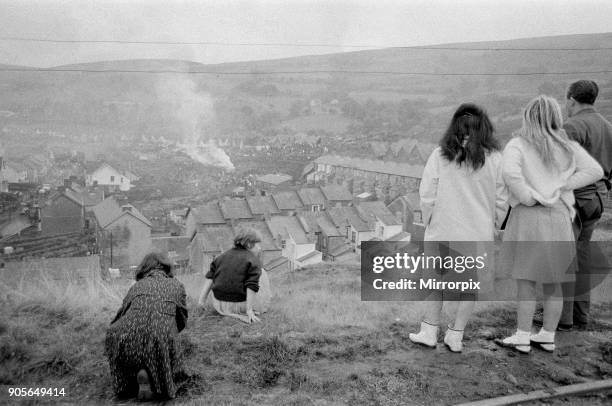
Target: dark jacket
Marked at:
594, 133
232, 273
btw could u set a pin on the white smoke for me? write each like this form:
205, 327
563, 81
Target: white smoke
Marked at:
194, 112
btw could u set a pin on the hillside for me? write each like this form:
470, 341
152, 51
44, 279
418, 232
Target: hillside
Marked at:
379, 93
318, 344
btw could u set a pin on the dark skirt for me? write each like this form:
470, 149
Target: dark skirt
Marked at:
143, 339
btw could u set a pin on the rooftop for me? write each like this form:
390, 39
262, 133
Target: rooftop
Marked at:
336, 192
208, 213
275, 178
285, 226
370, 165
287, 200
343, 216
370, 211
311, 196
235, 209
262, 205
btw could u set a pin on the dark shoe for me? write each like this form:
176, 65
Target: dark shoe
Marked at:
144, 388
565, 327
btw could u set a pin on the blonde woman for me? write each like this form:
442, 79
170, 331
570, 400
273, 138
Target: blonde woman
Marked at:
541, 167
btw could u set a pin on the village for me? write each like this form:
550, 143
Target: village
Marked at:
64, 204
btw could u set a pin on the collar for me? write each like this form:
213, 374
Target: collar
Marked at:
585, 111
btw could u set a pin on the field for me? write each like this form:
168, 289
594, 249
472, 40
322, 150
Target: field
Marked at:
319, 344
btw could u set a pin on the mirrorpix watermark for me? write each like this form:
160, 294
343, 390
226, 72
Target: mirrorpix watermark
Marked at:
411, 271
476, 270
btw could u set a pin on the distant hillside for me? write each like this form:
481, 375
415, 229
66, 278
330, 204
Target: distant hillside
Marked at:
382, 92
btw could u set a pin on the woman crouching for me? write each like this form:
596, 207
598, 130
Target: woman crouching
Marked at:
141, 343
240, 286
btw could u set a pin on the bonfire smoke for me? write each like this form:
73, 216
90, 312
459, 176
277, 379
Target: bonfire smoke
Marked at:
193, 112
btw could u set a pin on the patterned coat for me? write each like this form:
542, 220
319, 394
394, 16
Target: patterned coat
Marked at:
143, 334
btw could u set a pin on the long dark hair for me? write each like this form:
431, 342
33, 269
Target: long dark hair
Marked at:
469, 136
152, 261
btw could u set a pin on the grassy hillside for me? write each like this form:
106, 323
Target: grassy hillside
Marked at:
318, 344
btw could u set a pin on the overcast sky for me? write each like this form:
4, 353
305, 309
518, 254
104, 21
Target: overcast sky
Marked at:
341, 24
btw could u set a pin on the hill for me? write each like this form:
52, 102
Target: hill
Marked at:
319, 343
383, 93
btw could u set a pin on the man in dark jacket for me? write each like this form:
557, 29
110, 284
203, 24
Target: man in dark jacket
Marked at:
594, 133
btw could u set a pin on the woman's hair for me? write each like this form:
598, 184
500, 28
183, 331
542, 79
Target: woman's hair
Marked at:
469, 136
246, 238
154, 260
543, 128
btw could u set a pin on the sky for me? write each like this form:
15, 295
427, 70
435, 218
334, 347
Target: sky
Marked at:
257, 30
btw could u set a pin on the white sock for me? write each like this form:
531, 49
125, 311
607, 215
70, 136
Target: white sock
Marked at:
546, 336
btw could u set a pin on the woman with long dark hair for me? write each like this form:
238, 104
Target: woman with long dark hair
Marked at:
463, 197
542, 167
141, 342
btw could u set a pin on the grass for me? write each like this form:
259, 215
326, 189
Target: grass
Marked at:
318, 344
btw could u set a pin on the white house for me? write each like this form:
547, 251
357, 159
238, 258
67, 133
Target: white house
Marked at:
106, 175
295, 245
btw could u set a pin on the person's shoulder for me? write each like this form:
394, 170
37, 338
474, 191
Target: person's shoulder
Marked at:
515, 142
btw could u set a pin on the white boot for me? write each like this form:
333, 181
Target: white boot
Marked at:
453, 339
428, 336
519, 341
544, 340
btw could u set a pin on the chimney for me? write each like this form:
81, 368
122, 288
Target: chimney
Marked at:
67, 183
126, 207
61, 189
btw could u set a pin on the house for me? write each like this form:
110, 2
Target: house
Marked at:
288, 202
336, 195
208, 214
273, 182
295, 244
235, 210
262, 206
270, 251
175, 248
312, 199
207, 243
355, 228
407, 210
178, 216
123, 230
64, 212
377, 214
320, 228
106, 175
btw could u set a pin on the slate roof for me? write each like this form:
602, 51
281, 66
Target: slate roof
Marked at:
319, 221
343, 216
370, 211
340, 249
274, 178
284, 225
275, 263
262, 205
108, 210
311, 196
336, 192
235, 209
287, 200
311, 254
209, 213
370, 165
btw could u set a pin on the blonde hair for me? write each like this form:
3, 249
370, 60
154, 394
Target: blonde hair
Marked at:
543, 128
